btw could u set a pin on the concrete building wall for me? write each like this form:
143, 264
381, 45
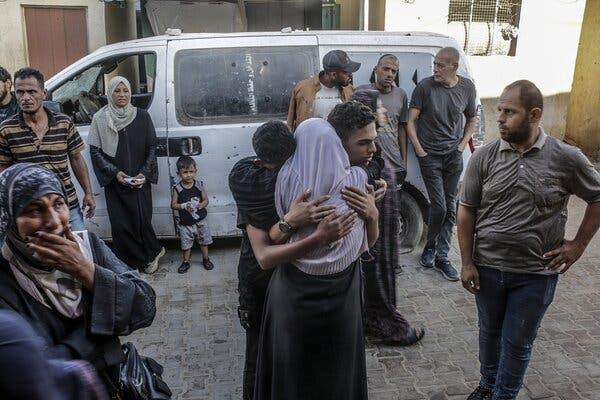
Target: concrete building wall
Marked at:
583, 122
13, 37
546, 52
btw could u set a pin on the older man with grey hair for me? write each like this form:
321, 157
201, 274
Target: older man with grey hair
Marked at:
441, 121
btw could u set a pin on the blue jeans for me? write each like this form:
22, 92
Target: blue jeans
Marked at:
441, 175
510, 308
76, 219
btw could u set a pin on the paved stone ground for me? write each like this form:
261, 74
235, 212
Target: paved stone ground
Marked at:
197, 337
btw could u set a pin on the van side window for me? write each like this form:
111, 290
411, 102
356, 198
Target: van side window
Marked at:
85, 93
223, 85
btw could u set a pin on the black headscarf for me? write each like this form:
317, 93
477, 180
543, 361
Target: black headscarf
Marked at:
21, 184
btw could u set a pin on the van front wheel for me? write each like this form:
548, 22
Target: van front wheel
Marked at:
411, 222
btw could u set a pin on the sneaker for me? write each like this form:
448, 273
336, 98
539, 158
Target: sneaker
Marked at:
153, 265
445, 267
208, 265
183, 267
480, 393
427, 257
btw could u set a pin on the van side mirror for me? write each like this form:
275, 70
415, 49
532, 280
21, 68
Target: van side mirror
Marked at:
54, 106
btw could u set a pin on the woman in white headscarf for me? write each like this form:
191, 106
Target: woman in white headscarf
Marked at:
122, 144
312, 343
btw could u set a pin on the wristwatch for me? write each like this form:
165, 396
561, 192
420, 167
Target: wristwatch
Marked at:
285, 227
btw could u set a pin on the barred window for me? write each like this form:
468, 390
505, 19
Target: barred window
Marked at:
489, 27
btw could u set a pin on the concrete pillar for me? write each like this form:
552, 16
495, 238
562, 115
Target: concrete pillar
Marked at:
121, 25
583, 117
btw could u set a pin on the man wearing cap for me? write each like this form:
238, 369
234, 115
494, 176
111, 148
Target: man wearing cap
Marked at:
317, 95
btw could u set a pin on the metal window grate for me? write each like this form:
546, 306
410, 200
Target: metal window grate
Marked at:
490, 26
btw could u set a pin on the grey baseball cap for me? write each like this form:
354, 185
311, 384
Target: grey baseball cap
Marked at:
339, 60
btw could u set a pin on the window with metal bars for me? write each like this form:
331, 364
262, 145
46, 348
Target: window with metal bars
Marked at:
489, 27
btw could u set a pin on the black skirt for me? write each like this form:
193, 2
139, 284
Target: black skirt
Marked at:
312, 342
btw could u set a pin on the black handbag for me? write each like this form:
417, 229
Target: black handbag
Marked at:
140, 378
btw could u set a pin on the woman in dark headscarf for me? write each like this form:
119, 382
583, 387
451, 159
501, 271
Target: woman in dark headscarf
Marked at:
122, 147
382, 319
77, 295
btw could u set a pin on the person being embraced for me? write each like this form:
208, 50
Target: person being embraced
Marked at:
77, 295
122, 144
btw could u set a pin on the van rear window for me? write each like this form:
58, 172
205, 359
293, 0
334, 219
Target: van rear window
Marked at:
229, 85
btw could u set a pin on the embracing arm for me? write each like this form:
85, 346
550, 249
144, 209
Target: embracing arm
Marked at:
329, 230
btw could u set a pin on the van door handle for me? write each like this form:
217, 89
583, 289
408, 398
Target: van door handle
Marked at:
181, 146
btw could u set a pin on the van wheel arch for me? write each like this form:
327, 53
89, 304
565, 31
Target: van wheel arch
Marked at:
414, 209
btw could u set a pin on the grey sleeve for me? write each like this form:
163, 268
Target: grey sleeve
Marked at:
471, 110
585, 180
470, 190
418, 97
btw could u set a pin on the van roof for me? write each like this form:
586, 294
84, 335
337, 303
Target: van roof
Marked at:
326, 36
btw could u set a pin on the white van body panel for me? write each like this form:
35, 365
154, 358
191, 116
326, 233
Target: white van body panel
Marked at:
225, 142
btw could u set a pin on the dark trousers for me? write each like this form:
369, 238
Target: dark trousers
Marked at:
510, 307
252, 341
441, 175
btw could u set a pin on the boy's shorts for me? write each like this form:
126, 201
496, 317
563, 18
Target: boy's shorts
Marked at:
198, 232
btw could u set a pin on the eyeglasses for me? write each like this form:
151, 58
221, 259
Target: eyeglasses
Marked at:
441, 65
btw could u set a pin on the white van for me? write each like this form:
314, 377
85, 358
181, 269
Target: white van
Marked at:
207, 93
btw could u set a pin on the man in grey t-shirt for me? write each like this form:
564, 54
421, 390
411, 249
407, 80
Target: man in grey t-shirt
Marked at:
511, 226
441, 121
392, 143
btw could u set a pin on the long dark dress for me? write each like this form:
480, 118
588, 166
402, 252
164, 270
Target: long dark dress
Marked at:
129, 209
382, 320
312, 343
120, 303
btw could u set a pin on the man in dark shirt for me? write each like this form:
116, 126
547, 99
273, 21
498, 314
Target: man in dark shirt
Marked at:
252, 183
441, 121
511, 227
8, 102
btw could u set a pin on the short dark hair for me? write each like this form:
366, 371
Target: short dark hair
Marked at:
529, 94
368, 97
29, 72
273, 142
185, 162
4, 75
348, 117
387, 55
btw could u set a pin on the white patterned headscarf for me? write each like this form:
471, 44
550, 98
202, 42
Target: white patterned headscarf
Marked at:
21, 184
321, 164
110, 119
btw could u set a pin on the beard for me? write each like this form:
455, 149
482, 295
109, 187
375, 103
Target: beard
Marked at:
518, 135
3, 94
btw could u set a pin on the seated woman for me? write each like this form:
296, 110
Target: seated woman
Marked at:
312, 344
77, 295
382, 319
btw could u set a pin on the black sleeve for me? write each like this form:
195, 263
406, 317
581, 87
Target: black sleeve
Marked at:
150, 167
103, 167
122, 301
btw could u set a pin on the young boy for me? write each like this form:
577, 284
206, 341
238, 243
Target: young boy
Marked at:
190, 199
